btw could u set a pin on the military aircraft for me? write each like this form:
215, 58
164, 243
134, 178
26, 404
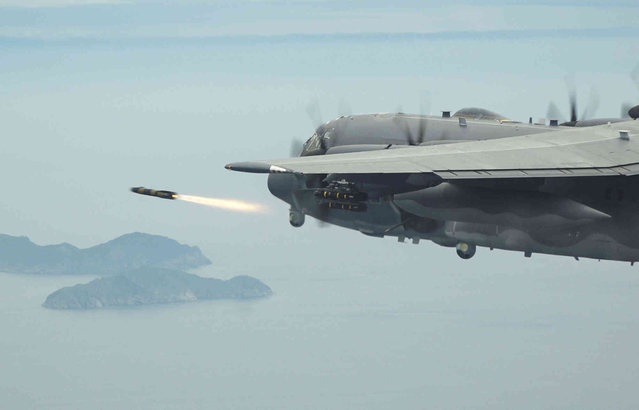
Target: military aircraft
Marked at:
471, 179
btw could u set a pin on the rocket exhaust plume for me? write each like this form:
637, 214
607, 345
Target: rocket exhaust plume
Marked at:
228, 204
220, 203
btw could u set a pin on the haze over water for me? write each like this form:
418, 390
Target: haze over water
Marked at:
354, 338
93, 102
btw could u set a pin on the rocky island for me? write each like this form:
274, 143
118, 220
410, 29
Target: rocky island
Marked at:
127, 252
147, 286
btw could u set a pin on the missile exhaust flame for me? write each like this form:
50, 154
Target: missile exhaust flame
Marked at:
227, 204
220, 203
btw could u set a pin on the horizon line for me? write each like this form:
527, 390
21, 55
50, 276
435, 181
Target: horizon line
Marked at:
294, 37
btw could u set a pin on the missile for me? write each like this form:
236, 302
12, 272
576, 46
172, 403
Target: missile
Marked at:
152, 192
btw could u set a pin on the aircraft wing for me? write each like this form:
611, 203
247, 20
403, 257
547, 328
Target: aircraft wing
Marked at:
610, 149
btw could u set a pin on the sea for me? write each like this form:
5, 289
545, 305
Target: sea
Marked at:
335, 336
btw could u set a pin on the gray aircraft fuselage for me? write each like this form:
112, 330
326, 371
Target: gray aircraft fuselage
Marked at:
580, 217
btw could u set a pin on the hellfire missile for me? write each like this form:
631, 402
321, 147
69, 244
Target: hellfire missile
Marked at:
152, 192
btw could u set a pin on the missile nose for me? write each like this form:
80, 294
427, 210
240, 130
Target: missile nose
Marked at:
153, 192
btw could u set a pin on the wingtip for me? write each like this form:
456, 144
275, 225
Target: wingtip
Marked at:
252, 167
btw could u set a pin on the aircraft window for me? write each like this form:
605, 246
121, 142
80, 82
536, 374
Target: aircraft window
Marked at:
314, 142
313, 146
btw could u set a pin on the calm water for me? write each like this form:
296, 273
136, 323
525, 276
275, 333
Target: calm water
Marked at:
439, 337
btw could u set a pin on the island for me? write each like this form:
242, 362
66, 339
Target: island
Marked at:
148, 286
127, 252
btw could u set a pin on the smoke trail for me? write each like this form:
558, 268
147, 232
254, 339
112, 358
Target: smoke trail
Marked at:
228, 204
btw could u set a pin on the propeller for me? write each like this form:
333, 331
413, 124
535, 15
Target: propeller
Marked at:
592, 106
297, 145
554, 113
420, 136
625, 108
410, 137
572, 97
314, 113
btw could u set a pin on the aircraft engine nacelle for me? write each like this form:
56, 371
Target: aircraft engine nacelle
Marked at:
523, 209
284, 186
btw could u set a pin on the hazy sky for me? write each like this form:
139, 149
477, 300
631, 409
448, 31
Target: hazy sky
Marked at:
50, 19
96, 97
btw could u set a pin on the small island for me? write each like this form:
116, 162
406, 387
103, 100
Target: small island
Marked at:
127, 252
148, 286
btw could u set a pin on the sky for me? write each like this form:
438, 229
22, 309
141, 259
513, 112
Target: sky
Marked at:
100, 96
96, 97
60, 19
